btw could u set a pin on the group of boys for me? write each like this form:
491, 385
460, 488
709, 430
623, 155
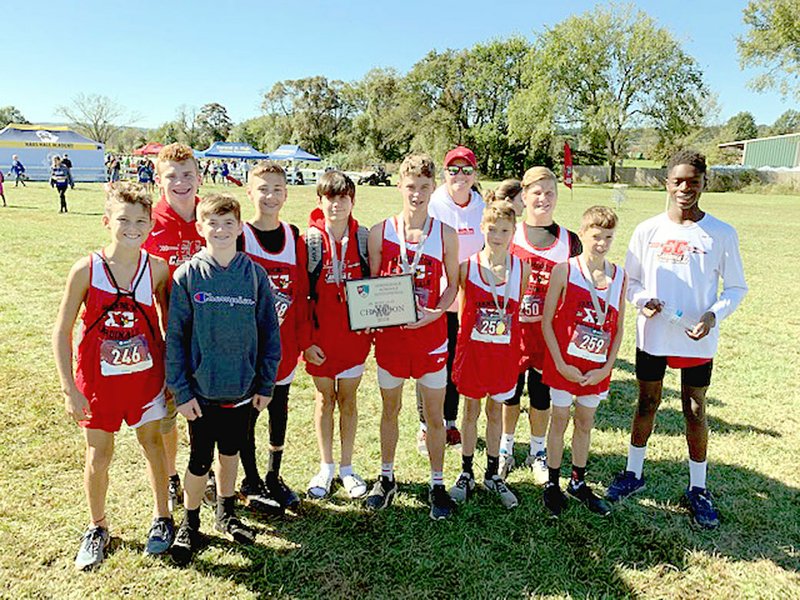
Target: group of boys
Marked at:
241, 302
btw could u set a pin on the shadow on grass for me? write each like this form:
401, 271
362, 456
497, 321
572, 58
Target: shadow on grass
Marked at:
336, 549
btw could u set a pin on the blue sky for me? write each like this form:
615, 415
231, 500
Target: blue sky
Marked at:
152, 57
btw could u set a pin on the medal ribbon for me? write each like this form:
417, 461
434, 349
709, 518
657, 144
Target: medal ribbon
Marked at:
336, 265
601, 314
493, 284
401, 235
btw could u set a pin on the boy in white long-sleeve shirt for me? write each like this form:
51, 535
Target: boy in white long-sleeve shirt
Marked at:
674, 264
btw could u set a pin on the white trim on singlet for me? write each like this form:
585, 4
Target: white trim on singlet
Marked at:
614, 291
101, 281
476, 278
253, 247
556, 252
434, 244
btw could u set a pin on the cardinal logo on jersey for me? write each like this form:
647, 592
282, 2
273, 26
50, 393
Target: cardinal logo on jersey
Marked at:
675, 251
121, 319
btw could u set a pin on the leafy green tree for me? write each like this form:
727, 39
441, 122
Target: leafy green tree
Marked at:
11, 114
788, 122
606, 71
741, 126
772, 43
213, 123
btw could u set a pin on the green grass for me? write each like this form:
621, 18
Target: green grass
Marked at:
645, 549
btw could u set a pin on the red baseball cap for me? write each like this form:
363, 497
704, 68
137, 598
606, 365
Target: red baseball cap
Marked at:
461, 152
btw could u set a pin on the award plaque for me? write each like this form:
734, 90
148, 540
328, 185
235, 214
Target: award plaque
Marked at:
381, 302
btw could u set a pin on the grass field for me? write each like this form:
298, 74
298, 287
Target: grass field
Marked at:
334, 549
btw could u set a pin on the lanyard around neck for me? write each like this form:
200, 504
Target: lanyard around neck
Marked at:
401, 235
599, 311
506, 285
338, 266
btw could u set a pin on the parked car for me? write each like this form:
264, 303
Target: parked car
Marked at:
378, 176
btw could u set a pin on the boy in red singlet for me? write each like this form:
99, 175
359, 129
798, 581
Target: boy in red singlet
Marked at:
275, 245
488, 345
413, 242
175, 239
582, 326
541, 243
120, 364
336, 247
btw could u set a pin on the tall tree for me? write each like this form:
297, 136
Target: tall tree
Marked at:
772, 43
741, 126
98, 117
788, 122
213, 123
606, 71
11, 114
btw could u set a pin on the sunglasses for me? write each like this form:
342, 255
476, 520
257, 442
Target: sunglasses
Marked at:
466, 170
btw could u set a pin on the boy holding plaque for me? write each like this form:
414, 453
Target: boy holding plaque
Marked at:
414, 243
336, 356
488, 345
582, 326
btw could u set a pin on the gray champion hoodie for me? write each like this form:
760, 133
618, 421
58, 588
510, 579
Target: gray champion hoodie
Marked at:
223, 341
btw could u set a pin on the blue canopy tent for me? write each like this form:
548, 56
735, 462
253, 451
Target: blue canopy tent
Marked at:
36, 145
233, 150
292, 152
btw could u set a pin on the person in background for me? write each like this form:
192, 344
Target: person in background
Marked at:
18, 170
61, 179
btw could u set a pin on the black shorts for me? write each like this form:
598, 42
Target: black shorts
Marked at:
652, 368
538, 393
223, 428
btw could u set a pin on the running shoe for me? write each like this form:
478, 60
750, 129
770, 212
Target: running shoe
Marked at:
538, 464
256, 497
161, 536
281, 492
625, 484
554, 499
584, 494
497, 486
93, 547
701, 507
239, 532
382, 494
442, 505
463, 488
187, 542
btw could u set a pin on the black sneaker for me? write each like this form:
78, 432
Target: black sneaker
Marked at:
257, 498
186, 543
442, 505
701, 507
210, 495
175, 493
625, 484
382, 494
554, 499
241, 533
586, 496
281, 492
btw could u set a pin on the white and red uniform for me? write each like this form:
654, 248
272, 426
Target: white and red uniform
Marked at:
584, 343
344, 349
120, 358
542, 261
681, 265
173, 238
413, 353
288, 277
488, 347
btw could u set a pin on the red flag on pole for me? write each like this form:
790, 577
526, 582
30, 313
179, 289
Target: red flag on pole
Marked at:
567, 165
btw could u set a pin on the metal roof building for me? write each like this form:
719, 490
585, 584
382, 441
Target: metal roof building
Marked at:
776, 151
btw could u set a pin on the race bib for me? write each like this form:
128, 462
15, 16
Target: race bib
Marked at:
122, 357
491, 326
589, 343
530, 309
422, 294
282, 303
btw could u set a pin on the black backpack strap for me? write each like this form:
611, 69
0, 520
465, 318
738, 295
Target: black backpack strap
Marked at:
362, 235
315, 249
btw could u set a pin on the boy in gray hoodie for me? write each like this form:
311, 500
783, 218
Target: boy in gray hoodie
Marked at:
223, 349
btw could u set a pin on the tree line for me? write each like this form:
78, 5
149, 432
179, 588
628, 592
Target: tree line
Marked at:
594, 79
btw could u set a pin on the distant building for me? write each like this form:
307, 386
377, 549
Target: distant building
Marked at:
776, 151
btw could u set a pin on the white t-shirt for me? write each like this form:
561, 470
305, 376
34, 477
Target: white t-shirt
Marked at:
466, 220
681, 265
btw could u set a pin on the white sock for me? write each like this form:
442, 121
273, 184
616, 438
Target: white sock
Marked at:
437, 478
537, 444
507, 443
450, 424
697, 474
636, 460
327, 469
345, 470
423, 427
387, 470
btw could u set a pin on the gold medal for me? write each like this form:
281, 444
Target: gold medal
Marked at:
501, 328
